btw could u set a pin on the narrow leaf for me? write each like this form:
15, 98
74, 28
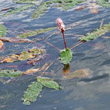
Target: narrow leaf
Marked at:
32, 93
40, 10
96, 33
35, 32
104, 3
17, 10
25, 55
2, 30
47, 82
10, 73
15, 40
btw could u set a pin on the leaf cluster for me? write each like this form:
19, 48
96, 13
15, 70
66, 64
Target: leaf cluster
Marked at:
36, 87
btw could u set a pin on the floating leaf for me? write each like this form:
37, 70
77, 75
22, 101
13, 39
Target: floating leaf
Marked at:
77, 74
10, 73
35, 32
103, 3
25, 55
2, 30
1, 44
15, 40
97, 33
17, 10
67, 4
66, 56
47, 82
40, 10
32, 92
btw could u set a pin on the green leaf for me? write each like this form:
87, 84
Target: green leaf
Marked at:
66, 56
25, 55
47, 82
2, 30
67, 4
35, 32
40, 10
32, 93
96, 33
10, 73
17, 10
103, 3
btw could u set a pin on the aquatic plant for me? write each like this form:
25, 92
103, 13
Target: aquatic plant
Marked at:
2, 30
103, 3
96, 33
25, 1
47, 82
64, 4
34, 89
10, 73
32, 92
25, 55
66, 55
17, 10
35, 32
40, 10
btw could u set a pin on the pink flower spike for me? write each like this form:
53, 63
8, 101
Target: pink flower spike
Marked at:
61, 27
60, 24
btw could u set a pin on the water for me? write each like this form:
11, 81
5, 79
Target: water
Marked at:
88, 93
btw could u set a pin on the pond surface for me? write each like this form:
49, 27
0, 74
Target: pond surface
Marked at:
88, 93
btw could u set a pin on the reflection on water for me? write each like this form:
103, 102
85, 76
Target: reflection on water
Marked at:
92, 58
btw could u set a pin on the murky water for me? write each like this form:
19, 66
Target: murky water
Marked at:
89, 93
